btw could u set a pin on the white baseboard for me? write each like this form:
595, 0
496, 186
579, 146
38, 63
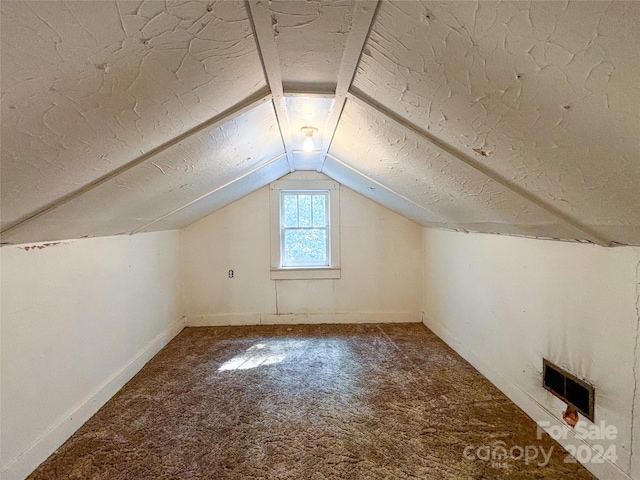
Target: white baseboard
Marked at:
47, 443
302, 318
603, 471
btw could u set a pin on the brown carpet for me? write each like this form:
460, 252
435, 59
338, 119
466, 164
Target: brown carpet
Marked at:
307, 402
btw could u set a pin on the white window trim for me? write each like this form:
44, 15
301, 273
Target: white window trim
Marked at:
278, 272
326, 228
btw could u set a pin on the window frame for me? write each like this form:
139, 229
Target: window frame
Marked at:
326, 227
305, 182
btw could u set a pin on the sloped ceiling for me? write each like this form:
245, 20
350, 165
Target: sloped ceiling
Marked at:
500, 117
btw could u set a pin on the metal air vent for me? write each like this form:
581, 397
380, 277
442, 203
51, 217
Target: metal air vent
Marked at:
569, 388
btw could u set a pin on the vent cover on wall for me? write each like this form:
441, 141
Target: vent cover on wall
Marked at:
569, 388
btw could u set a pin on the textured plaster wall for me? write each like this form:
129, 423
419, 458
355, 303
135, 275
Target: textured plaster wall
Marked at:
505, 303
487, 116
543, 93
381, 275
79, 318
90, 86
310, 37
207, 166
446, 188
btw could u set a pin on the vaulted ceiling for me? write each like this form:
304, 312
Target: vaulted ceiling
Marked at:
501, 117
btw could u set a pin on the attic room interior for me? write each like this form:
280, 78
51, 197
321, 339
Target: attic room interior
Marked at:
306, 239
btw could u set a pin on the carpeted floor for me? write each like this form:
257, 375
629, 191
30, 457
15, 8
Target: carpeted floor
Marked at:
308, 402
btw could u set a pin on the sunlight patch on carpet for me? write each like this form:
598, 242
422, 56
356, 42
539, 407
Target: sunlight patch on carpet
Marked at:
261, 354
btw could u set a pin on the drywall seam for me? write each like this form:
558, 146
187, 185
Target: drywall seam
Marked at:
364, 16
536, 411
245, 105
589, 234
228, 184
393, 192
260, 21
219, 320
635, 367
49, 441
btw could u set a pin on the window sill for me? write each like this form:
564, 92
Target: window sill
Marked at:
304, 273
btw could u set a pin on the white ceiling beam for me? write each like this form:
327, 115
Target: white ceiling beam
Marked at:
216, 190
260, 18
228, 115
582, 232
363, 17
308, 89
304, 91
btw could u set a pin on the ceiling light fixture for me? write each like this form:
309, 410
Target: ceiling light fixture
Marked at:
307, 145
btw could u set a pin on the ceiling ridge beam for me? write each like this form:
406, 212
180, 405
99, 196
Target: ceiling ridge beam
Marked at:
309, 91
454, 226
364, 16
215, 190
260, 19
587, 232
252, 101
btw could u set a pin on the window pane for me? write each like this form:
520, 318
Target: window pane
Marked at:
319, 211
305, 247
290, 211
304, 210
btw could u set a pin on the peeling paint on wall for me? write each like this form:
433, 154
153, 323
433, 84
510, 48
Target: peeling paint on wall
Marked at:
42, 246
480, 152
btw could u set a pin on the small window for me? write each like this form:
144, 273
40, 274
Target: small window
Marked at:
305, 237
305, 227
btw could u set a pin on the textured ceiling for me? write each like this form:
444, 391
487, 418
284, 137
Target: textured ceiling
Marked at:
547, 93
89, 86
451, 190
500, 117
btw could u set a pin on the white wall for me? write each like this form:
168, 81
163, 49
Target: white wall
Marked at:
79, 319
506, 302
381, 256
